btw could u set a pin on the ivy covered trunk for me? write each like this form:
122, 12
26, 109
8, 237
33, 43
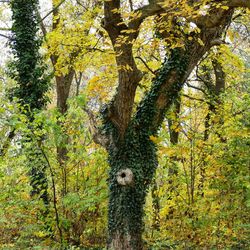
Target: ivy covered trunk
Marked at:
133, 160
28, 70
133, 164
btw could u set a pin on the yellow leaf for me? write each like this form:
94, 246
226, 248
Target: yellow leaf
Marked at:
39, 234
153, 138
200, 42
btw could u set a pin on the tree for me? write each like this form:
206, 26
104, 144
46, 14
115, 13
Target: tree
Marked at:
63, 55
125, 133
186, 31
32, 84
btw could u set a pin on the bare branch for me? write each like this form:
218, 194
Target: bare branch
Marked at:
193, 98
5, 29
43, 28
131, 5
7, 37
98, 137
145, 64
54, 9
195, 87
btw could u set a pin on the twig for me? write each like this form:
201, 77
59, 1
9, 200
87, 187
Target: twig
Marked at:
50, 12
193, 98
145, 64
195, 87
131, 5
7, 37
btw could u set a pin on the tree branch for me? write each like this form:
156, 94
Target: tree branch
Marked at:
153, 8
145, 64
195, 87
238, 3
50, 12
7, 37
120, 109
98, 137
43, 28
113, 21
174, 73
193, 98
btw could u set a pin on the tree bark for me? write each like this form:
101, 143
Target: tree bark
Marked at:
137, 153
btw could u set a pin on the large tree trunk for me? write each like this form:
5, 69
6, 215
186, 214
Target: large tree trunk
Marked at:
133, 163
135, 153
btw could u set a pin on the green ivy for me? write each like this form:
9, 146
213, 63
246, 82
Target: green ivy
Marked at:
28, 71
27, 68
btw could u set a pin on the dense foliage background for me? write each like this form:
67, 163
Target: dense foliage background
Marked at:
200, 195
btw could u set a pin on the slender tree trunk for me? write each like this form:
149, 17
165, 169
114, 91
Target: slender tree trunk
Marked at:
63, 84
38, 180
174, 135
174, 139
155, 205
215, 89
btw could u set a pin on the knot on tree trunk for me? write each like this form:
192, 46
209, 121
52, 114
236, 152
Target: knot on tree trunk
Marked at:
125, 177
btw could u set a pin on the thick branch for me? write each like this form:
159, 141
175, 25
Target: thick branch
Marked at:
219, 77
98, 137
238, 3
153, 8
113, 22
173, 75
120, 109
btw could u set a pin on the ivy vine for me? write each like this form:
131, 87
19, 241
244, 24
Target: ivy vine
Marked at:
27, 68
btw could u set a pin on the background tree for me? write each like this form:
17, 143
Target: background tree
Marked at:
32, 84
